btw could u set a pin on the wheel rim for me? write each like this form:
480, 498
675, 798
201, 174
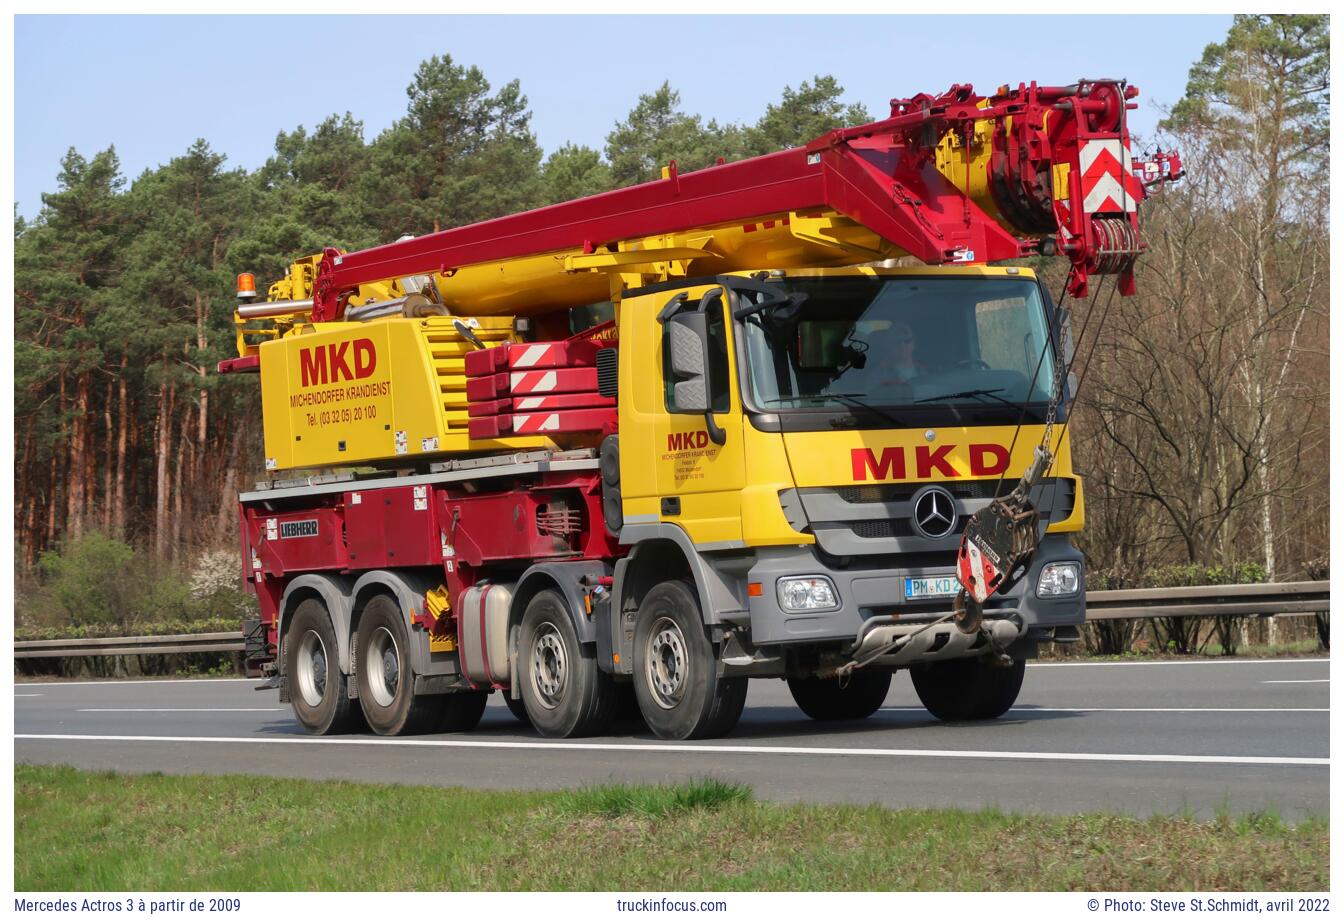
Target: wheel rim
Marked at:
311, 668
550, 666
666, 663
382, 666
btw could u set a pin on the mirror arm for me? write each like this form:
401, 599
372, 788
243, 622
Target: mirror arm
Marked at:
716, 434
670, 308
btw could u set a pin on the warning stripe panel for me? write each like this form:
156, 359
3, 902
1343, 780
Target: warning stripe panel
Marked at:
590, 400
495, 426
517, 383
573, 353
1107, 177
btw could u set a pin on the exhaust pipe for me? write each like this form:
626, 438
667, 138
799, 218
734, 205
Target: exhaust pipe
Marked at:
273, 308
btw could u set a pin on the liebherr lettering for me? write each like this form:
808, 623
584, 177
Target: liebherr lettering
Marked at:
891, 463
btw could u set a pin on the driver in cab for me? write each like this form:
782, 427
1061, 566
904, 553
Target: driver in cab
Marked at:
894, 352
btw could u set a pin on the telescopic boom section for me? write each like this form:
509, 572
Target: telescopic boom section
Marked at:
952, 178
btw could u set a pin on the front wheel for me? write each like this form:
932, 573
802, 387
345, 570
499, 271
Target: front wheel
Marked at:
861, 695
965, 689
677, 683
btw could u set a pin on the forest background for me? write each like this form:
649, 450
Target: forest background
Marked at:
1201, 430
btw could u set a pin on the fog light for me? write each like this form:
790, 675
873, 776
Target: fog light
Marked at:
1059, 579
813, 593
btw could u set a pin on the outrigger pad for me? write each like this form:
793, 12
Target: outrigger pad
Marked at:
996, 546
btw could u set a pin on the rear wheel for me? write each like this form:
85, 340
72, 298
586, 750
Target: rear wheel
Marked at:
517, 707
385, 677
676, 675
626, 709
317, 687
461, 711
965, 689
565, 693
829, 700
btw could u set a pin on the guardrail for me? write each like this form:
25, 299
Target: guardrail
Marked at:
1294, 598
1301, 598
131, 645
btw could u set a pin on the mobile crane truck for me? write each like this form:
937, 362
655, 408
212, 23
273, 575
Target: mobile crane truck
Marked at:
664, 439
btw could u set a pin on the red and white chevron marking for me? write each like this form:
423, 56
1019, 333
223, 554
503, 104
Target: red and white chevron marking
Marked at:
516, 356
496, 426
565, 380
532, 383
975, 572
540, 403
1108, 180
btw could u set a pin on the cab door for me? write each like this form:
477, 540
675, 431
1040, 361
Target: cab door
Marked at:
673, 467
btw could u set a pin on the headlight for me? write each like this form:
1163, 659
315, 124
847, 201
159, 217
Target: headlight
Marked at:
1059, 579
814, 593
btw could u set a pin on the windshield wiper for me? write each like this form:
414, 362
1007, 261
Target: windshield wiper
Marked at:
963, 394
850, 398
853, 400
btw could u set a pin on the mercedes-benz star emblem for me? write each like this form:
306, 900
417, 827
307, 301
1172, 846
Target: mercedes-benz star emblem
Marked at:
935, 513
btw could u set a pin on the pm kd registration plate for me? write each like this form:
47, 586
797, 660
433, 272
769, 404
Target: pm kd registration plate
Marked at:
917, 589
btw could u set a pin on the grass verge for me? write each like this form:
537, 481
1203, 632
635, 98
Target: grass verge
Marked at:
83, 831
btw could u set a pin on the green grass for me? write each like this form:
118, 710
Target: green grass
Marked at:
80, 831
649, 801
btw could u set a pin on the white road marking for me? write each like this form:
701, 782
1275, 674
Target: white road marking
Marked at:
27, 694
263, 709
1145, 664
205, 681
713, 749
1324, 680
1034, 664
1026, 709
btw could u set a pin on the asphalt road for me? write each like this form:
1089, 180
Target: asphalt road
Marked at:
1136, 738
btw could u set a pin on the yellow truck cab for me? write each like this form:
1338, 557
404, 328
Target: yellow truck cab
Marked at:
816, 456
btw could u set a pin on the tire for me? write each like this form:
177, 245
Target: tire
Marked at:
966, 689
318, 689
626, 711
517, 707
827, 700
564, 692
461, 711
384, 674
676, 669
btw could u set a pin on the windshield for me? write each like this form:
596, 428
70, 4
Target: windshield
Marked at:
896, 342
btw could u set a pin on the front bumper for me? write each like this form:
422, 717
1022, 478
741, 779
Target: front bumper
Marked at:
878, 594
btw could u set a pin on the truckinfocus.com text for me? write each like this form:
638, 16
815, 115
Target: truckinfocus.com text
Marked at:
653, 905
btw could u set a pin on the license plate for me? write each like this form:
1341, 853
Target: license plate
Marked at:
917, 589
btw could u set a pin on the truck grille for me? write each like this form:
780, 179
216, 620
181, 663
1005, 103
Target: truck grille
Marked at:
876, 519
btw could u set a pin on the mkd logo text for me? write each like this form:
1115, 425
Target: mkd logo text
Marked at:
687, 440
985, 460
336, 362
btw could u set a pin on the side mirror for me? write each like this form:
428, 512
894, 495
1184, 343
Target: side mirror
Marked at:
687, 336
688, 343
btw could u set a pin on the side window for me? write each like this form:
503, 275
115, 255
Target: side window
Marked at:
718, 360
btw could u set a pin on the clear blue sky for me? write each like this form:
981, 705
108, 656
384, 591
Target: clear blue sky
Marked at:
151, 85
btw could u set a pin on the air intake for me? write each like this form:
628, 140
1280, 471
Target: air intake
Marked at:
606, 372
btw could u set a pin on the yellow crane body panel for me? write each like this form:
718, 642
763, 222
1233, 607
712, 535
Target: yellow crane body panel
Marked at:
390, 390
